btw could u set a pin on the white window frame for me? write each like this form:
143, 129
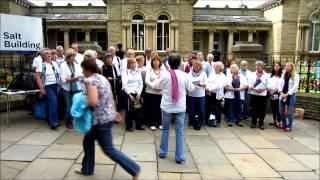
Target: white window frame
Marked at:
138, 22
201, 41
163, 48
314, 24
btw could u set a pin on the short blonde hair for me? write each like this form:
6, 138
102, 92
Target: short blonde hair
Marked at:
219, 63
198, 62
70, 52
243, 62
234, 66
140, 57
130, 61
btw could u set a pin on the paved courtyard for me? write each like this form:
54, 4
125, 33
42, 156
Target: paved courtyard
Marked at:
30, 150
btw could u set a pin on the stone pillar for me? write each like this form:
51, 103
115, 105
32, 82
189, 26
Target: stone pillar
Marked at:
250, 36
172, 38
87, 34
298, 39
124, 37
66, 38
176, 39
211, 38
154, 35
306, 38
230, 43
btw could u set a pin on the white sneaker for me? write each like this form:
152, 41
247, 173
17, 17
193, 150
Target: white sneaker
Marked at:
160, 127
153, 128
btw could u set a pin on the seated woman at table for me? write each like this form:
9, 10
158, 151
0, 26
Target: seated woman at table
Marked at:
48, 76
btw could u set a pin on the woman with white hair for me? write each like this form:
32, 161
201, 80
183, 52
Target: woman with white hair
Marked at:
235, 92
215, 85
288, 86
210, 59
258, 86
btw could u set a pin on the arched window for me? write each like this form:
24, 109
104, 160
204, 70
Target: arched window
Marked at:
314, 41
163, 33
137, 32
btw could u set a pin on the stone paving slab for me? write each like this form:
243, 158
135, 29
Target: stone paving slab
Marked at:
292, 147
298, 133
171, 144
243, 131
273, 134
46, 169
10, 169
119, 128
140, 152
213, 171
280, 160
70, 137
233, 146
5, 144
299, 175
100, 172
42, 136
199, 140
169, 176
22, 152
100, 157
58, 151
117, 139
251, 165
263, 178
191, 131
221, 132
208, 155
190, 176
310, 160
172, 132
140, 137
14, 134
148, 171
309, 142
169, 164
257, 142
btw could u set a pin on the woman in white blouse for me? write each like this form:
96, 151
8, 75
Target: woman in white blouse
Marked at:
132, 85
274, 93
70, 73
197, 97
289, 83
235, 92
258, 83
216, 83
152, 98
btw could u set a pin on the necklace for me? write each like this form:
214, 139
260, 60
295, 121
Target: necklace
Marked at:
157, 73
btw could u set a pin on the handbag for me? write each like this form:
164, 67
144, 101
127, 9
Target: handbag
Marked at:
40, 109
212, 120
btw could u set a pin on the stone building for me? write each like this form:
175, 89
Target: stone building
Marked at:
274, 30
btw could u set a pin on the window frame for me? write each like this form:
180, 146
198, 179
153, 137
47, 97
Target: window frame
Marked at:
200, 41
163, 22
137, 22
62, 42
312, 37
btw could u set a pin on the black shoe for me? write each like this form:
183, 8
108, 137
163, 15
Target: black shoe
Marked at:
179, 162
140, 128
261, 127
53, 127
239, 124
230, 124
218, 125
162, 156
253, 126
129, 129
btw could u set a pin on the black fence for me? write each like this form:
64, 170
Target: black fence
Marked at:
11, 65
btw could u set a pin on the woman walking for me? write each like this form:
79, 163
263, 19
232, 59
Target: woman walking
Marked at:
100, 98
174, 85
288, 86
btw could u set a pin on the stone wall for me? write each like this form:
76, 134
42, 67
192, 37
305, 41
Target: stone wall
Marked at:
311, 105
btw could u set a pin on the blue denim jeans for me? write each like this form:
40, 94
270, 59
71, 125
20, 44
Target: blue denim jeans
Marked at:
51, 98
290, 103
245, 107
179, 124
102, 133
233, 107
197, 106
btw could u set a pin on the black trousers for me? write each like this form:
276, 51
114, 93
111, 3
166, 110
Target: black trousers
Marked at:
275, 110
152, 109
209, 102
258, 109
217, 107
